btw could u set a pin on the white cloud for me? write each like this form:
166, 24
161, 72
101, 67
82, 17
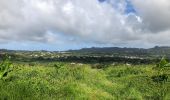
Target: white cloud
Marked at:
63, 21
155, 14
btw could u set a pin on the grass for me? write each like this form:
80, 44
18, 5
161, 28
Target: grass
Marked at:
64, 81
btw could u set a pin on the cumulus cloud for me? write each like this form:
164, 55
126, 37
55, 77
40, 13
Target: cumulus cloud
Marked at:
155, 14
100, 22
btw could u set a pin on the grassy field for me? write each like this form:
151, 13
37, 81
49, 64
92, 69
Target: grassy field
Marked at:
71, 81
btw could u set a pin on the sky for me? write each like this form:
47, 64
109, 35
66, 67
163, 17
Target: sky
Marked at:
73, 24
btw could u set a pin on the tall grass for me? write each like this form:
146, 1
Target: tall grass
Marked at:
64, 81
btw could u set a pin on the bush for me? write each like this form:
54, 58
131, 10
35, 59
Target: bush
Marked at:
5, 67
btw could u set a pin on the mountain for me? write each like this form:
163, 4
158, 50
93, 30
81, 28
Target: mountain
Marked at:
93, 55
155, 51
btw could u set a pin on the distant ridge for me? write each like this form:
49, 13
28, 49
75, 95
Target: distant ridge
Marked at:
157, 50
94, 54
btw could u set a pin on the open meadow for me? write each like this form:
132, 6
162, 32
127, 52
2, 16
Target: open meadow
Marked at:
78, 81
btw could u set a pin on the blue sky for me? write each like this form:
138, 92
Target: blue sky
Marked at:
50, 47
129, 7
73, 24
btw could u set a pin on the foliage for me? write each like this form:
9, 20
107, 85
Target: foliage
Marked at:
64, 81
162, 76
5, 67
163, 63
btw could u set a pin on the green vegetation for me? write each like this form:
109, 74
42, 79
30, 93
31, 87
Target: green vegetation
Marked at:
5, 67
75, 81
93, 55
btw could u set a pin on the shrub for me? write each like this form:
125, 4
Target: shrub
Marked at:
5, 67
163, 63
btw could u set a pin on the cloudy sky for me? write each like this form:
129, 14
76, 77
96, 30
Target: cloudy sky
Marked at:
73, 24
